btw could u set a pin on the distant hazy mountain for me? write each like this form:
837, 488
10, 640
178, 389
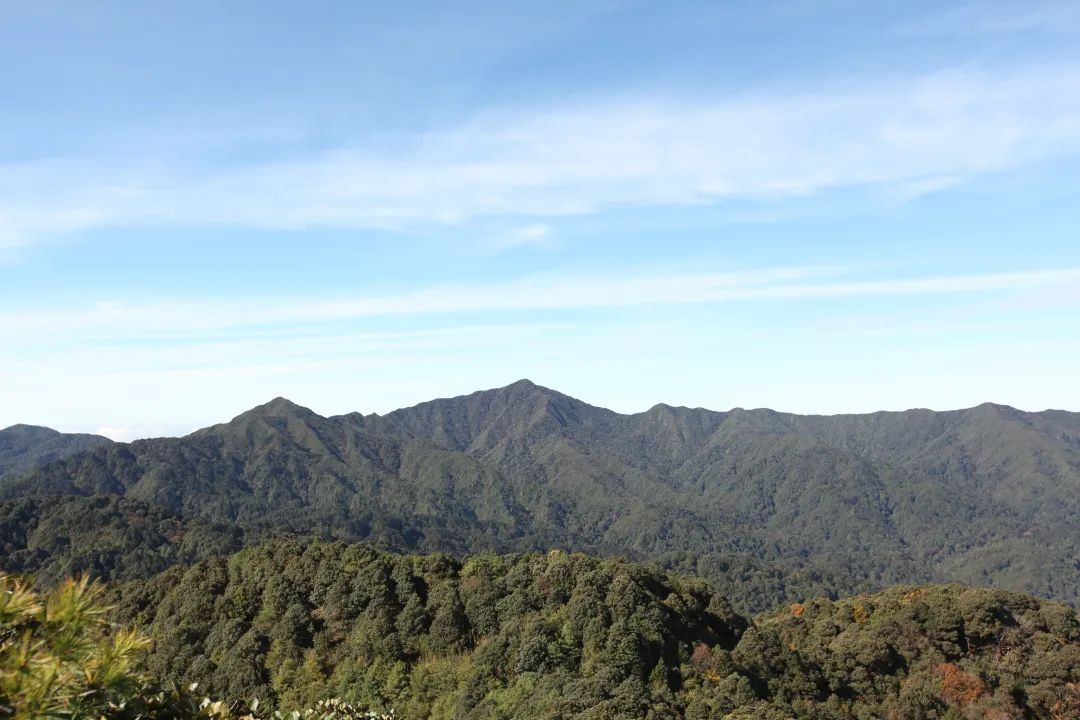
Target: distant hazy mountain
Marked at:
769, 506
24, 447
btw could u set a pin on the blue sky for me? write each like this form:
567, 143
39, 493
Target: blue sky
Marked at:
827, 206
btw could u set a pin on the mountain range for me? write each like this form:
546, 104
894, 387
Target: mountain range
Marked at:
768, 506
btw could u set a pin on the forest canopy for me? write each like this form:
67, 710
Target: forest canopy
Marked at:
567, 635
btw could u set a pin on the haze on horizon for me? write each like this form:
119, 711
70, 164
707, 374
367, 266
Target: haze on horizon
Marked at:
815, 207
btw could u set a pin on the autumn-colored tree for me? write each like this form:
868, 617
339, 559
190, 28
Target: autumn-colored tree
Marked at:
958, 686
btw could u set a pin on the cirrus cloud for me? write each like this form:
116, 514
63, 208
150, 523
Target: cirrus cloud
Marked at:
913, 136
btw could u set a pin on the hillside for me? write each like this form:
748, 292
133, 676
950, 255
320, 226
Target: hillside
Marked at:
24, 447
769, 506
108, 537
569, 636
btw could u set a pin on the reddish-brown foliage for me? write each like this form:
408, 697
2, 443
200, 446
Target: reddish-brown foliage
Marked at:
797, 609
1067, 707
703, 659
958, 686
915, 595
702, 655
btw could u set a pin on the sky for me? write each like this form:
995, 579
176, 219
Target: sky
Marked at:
818, 206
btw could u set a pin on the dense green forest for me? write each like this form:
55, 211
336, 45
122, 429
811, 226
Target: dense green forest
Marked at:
551, 635
769, 507
63, 658
106, 537
233, 553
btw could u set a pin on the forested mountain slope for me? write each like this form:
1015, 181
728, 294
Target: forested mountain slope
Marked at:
569, 636
108, 537
769, 506
24, 447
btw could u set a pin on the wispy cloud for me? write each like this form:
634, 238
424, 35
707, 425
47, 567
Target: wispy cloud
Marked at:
120, 320
535, 234
985, 17
530, 293
543, 162
205, 360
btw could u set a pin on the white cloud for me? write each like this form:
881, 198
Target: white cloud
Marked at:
537, 234
122, 434
207, 319
127, 433
537, 163
532, 235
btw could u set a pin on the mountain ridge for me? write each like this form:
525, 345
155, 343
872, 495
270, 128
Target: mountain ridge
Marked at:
23, 447
833, 504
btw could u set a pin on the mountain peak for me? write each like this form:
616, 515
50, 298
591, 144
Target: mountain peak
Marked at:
279, 407
22, 429
525, 395
995, 406
24, 447
282, 402
994, 410
521, 395
525, 388
273, 421
24, 433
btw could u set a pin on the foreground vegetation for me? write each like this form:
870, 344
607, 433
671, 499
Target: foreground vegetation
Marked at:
518, 636
60, 657
565, 635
